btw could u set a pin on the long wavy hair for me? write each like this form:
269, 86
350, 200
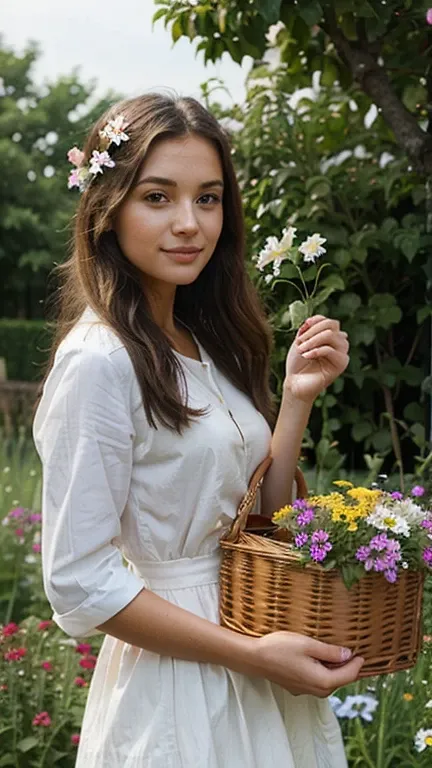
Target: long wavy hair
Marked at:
221, 306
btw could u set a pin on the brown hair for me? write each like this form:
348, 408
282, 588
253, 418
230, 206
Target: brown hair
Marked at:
221, 306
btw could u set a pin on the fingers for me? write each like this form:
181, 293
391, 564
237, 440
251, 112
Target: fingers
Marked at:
330, 679
338, 340
327, 652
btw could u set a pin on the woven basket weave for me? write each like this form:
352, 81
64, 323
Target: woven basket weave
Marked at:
263, 588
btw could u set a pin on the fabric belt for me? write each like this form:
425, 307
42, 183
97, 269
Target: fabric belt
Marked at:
179, 574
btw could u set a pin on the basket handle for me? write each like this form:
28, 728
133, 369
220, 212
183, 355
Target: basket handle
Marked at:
248, 501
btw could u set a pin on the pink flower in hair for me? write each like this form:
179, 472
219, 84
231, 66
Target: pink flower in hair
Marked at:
75, 156
98, 160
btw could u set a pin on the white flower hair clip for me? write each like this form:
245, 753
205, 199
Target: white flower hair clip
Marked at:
82, 175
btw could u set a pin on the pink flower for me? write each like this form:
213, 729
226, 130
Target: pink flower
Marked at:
75, 739
80, 682
83, 648
429, 16
15, 654
75, 156
73, 180
36, 548
19, 531
98, 160
47, 666
10, 629
35, 518
88, 662
427, 556
3, 687
17, 512
418, 490
43, 625
42, 718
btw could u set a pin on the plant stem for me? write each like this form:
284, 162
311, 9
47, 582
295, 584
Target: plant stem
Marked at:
381, 731
13, 595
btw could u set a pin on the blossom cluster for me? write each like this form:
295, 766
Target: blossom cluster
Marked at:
24, 524
82, 174
369, 530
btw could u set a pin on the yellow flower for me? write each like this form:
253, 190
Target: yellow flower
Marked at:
352, 526
281, 514
408, 697
343, 483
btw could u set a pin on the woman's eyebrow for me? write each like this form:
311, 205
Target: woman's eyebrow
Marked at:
170, 183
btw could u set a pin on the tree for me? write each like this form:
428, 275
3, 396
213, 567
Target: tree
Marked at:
382, 45
38, 124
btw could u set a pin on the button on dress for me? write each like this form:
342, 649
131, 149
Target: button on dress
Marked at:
126, 507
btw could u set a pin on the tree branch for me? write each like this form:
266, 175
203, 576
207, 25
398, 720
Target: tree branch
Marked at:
375, 82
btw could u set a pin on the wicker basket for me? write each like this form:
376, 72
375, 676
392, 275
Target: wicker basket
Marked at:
263, 588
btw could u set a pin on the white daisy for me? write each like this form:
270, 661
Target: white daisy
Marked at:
423, 739
362, 705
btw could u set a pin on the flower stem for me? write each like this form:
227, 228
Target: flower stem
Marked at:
381, 730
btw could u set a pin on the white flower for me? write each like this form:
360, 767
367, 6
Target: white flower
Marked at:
114, 130
362, 705
268, 278
276, 251
429, 704
386, 519
98, 160
312, 247
423, 739
408, 509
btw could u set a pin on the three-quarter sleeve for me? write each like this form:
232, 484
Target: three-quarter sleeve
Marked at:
84, 435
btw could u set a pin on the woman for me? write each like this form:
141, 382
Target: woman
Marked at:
154, 415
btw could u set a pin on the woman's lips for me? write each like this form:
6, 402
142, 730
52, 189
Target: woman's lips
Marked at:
182, 255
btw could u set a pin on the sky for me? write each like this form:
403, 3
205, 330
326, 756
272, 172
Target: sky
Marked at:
113, 42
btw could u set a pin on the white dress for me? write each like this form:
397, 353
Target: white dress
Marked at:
116, 490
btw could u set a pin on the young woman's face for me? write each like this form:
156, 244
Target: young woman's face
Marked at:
170, 223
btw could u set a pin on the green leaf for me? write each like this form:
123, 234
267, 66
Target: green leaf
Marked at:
177, 30
298, 313
351, 574
361, 430
7, 759
311, 12
362, 333
349, 303
25, 745
269, 10
423, 313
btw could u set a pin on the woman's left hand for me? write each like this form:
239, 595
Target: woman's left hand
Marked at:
318, 355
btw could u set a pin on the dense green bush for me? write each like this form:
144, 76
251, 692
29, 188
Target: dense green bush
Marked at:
24, 344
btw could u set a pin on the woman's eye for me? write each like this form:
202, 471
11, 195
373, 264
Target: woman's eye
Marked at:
208, 199
155, 197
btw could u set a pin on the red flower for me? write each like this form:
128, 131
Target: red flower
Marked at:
43, 719
10, 629
47, 665
44, 625
88, 662
75, 739
80, 682
15, 654
3, 687
19, 531
83, 648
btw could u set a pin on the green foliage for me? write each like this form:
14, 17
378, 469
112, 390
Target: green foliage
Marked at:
24, 344
37, 127
318, 168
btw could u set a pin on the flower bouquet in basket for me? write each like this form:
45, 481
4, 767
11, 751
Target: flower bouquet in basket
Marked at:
346, 568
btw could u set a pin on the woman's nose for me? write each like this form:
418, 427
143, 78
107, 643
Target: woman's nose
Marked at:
184, 221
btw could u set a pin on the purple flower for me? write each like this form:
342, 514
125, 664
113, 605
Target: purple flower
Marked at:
300, 504
35, 518
418, 490
319, 553
379, 542
380, 564
363, 553
397, 496
427, 524
391, 575
305, 517
429, 16
320, 537
17, 512
301, 539
427, 556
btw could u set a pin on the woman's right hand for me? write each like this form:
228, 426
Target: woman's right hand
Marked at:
302, 665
